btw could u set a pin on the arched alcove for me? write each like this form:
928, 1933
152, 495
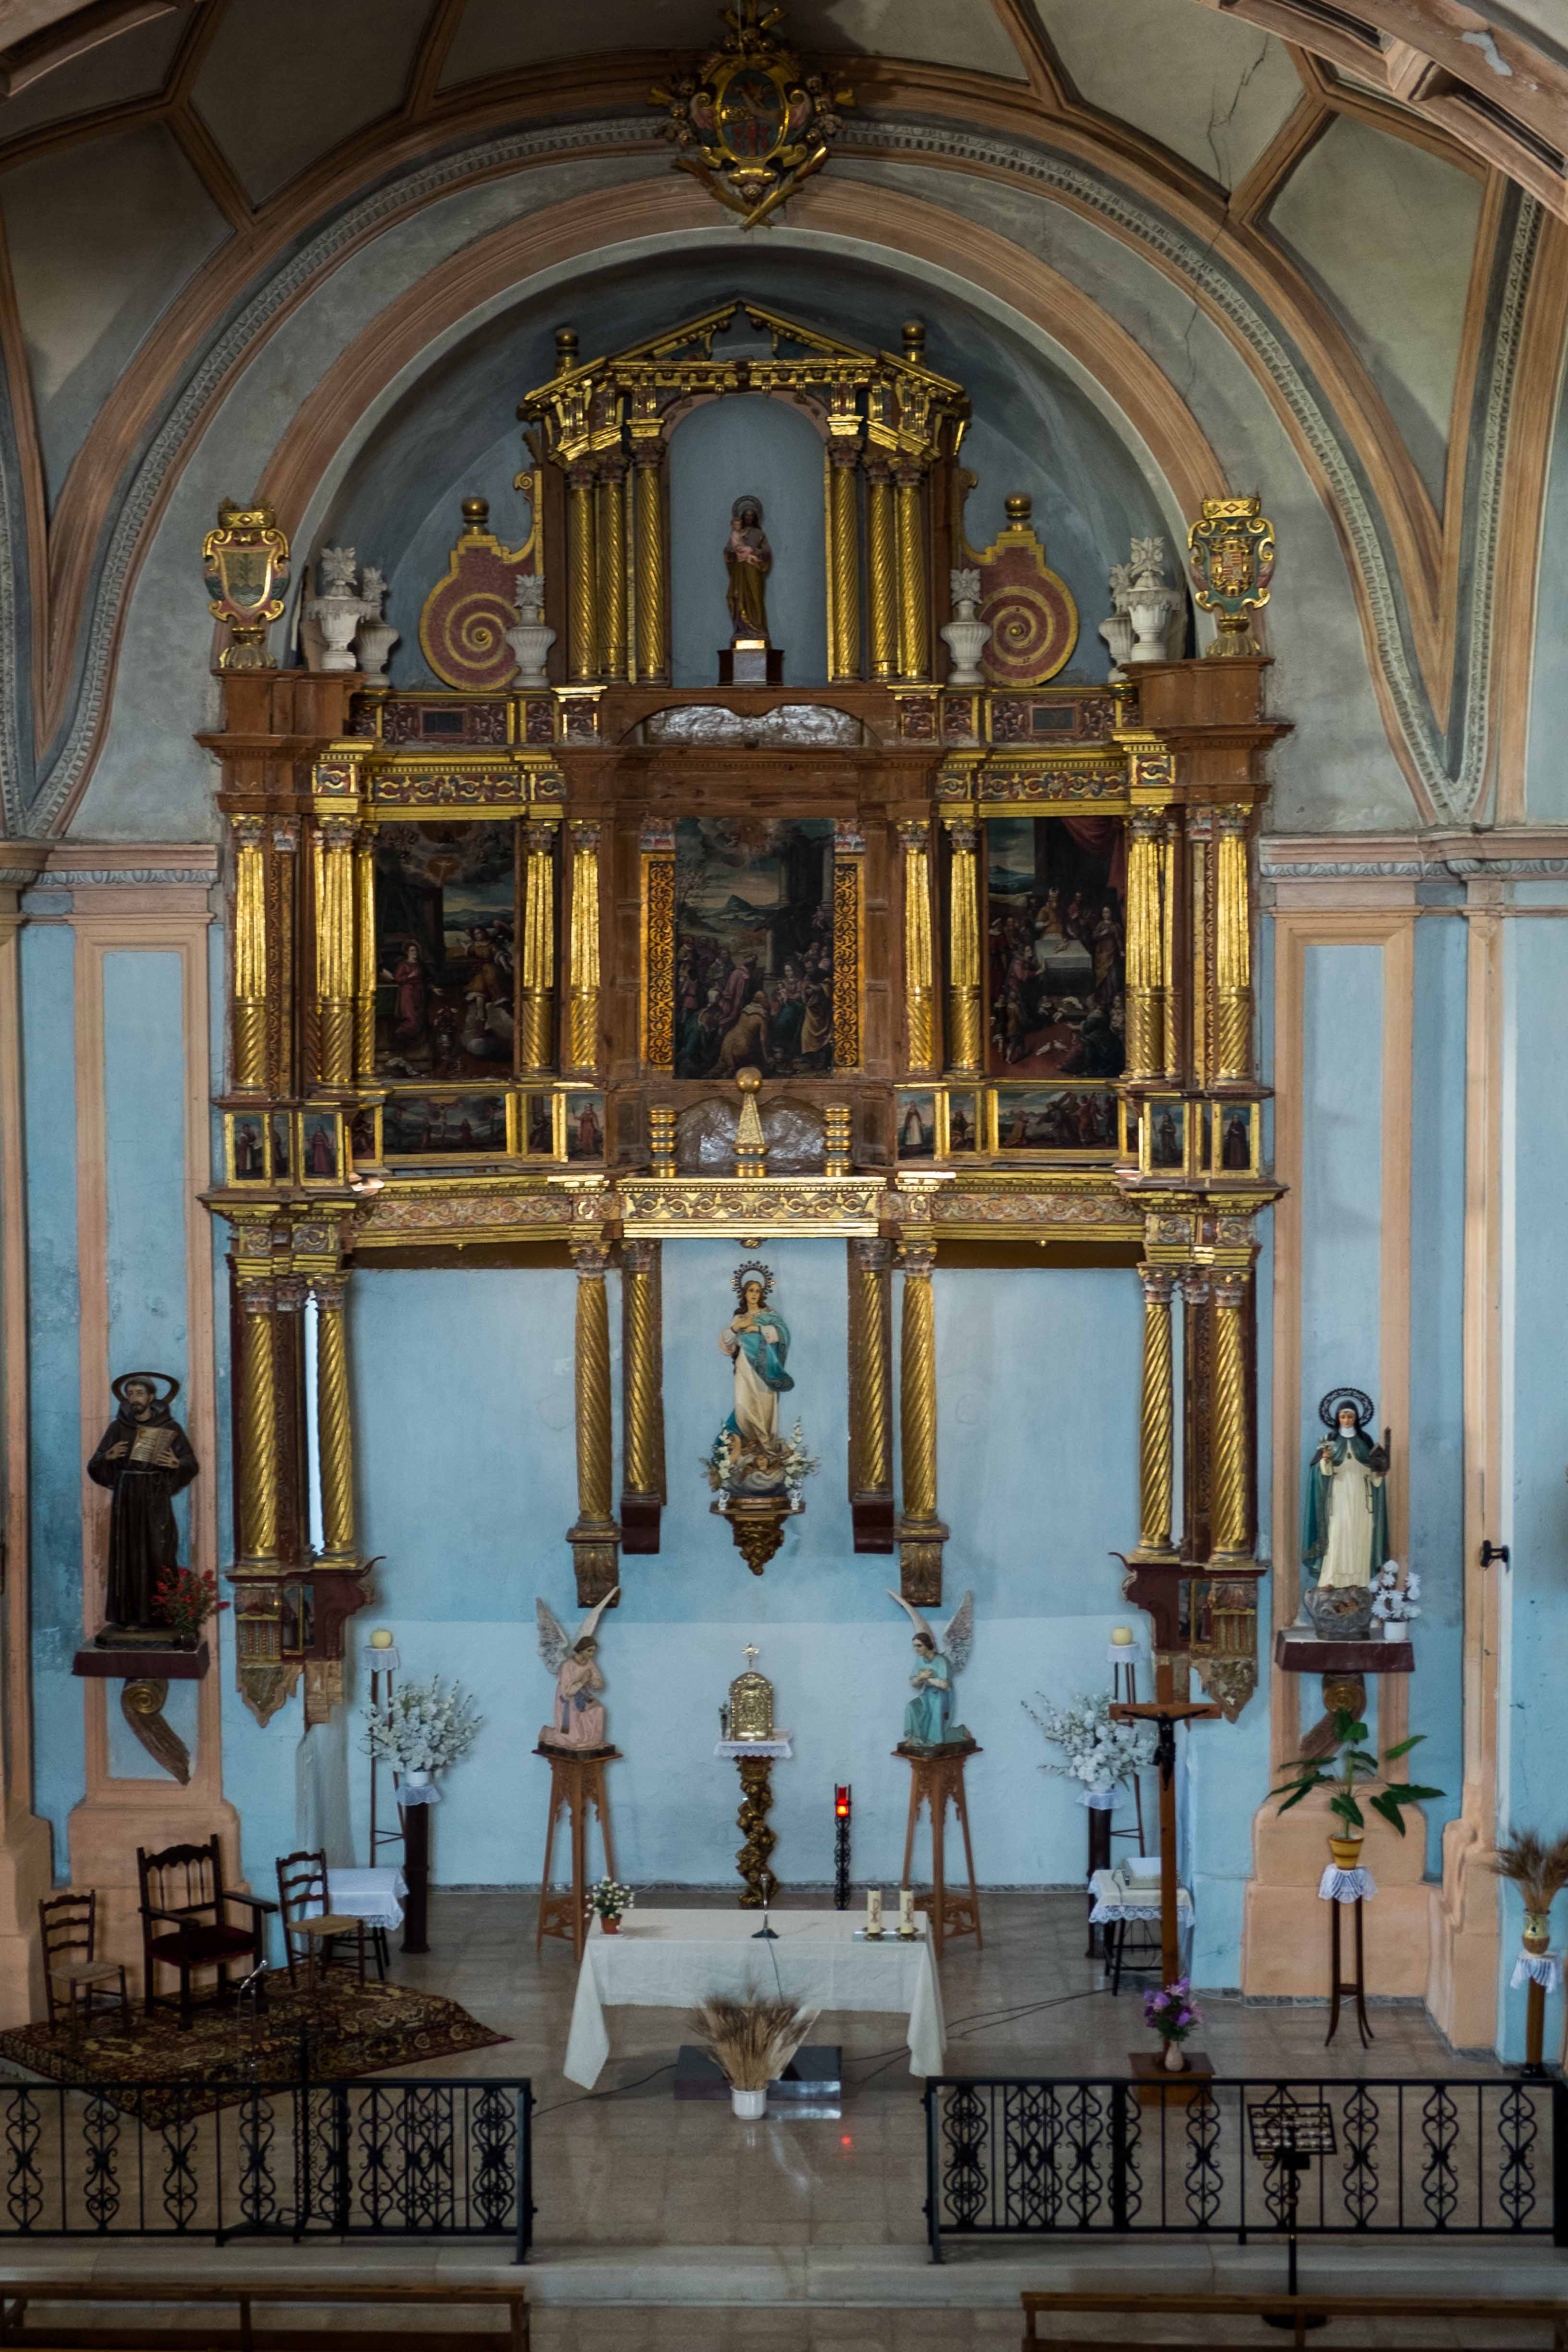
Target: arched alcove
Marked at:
747, 444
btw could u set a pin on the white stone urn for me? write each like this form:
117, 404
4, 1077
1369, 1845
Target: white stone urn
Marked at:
532, 640
1148, 618
337, 607
965, 635
375, 637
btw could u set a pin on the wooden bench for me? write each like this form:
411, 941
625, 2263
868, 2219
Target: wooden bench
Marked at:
1292, 2310
240, 2333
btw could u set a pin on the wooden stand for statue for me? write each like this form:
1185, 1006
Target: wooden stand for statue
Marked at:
577, 1781
1339, 1984
936, 1781
416, 1871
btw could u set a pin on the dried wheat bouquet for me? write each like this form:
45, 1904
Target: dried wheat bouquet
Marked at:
753, 2040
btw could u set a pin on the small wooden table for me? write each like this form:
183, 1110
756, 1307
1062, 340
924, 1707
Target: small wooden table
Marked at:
577, 1781
936, 1781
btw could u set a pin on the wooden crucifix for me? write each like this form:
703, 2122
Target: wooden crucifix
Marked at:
1166, 1712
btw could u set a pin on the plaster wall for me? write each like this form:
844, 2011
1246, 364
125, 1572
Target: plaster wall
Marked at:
1546, 770
716, 453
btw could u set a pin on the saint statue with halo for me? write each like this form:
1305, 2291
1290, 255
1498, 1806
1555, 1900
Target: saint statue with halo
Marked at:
748, 560
1344, 1509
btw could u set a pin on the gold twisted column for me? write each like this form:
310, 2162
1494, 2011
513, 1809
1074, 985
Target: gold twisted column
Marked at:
538, 944
963, 952
595, 1538
258, 1527
870, 1396
842, 564
882, 571
334, 1423
1233, 949
642, 1425
335, 951
1232, 1421
1145, 945
250, 957
365, 953
612, 566
582, 574
920, 1007
652, 634
914, 621
1156, 1420
582, 967
921, 1533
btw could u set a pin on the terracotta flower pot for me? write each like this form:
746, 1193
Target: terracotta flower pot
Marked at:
1346, 1851
1537, 1936
610, 1926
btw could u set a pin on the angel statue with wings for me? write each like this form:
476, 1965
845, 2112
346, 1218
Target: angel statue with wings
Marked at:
579, 1718
928, 1718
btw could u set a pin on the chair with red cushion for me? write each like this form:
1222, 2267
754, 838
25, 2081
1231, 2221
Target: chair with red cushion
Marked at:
186, 1923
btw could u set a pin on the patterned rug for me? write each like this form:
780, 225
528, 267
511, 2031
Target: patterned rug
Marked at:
350, 2030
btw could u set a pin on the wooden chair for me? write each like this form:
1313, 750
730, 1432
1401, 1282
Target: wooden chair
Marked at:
304, 1898
184, 1923
68, 1925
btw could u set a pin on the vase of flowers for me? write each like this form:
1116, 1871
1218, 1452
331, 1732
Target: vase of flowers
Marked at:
1539, 1870
751, 2042
1101, 1753
609, 1898
1173, 2014
183, 1599
421, 1728
1396, 1605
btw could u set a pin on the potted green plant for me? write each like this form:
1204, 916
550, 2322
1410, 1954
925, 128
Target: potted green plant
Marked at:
1345, 1767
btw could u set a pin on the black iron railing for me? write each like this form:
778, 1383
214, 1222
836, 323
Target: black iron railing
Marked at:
382, 2158
1016, 2156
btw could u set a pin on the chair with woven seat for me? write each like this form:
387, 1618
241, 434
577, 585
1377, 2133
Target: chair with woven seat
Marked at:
67, 1926
186, 1924
305, 1900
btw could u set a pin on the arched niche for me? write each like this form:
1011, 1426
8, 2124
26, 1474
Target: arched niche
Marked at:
747, 443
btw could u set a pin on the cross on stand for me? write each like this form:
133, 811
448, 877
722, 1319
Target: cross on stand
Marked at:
1166, 1712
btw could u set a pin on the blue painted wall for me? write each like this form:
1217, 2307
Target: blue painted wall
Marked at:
1546, 773
747, 443
56, 1451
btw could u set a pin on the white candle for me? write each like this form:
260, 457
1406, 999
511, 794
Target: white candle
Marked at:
873, 1911
906, 1910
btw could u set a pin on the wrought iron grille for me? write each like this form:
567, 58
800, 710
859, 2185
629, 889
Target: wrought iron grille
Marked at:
1016, 2156
306, 2160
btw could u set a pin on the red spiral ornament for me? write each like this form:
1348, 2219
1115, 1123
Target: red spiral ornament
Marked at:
462, 629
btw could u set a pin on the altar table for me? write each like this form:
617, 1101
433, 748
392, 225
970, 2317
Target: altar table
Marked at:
673, 1959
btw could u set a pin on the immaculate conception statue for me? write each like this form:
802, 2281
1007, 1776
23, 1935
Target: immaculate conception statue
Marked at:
1344, 1505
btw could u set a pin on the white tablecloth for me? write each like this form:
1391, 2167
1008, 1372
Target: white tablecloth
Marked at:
1116, 1899
374, 1895
673, 1959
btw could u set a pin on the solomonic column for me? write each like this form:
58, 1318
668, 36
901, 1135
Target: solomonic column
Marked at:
870, 1396
642, 1399
1232, 1441
595, 1538
1156, 1420
963, 950
921, 1533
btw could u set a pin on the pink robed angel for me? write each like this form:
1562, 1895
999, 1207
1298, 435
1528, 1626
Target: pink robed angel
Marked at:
579, 1718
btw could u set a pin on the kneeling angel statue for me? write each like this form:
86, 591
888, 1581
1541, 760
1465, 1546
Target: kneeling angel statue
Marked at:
928, 1718
578, 1718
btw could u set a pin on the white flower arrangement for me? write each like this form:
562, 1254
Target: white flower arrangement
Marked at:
422, 1727
609, 1898
1101, 1754
1394, 1604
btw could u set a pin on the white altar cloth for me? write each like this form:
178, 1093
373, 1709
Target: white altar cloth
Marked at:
374, 1895
673, 1959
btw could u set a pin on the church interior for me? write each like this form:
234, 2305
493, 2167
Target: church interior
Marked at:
783, 835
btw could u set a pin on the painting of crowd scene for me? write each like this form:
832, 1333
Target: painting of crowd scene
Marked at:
1056, 1119
425, 1127
1055, 899
446, 928
753, 946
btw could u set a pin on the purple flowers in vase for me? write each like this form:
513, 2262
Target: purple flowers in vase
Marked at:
1173, 2014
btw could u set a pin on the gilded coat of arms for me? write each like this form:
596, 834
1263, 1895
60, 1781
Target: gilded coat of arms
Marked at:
754, 126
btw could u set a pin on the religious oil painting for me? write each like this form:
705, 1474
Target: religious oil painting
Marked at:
963, 1123
1056, 1119
539, 1126
280, 1168
365, 1144
318, 1147
753, 947
247, 1146
584, 1126
1233, 1148
1057, 936
917, 1125
443, 1126
1165, 1135
446, 925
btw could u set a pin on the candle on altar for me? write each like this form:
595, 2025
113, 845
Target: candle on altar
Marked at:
873, 1911
906, 1910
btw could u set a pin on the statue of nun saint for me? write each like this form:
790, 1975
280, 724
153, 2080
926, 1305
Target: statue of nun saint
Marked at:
1344, 1509
748, 560
144, 1459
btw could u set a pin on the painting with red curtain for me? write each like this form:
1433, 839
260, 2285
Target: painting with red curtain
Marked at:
1055, 910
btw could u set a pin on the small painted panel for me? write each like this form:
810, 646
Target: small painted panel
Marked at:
320, 1147
1056, 1119
248, 1149
443, 1126
916, 1124
1055, 912
1233, 1148
364, 1134
753, 946
446, 927
539, 1137
1163, 1137
584, 1126
962, 1122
